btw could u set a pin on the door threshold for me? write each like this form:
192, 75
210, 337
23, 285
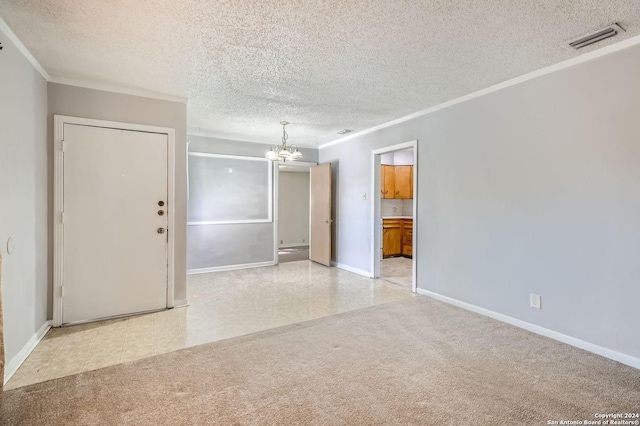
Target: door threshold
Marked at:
69, 324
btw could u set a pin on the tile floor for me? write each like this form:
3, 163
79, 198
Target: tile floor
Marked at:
293, 254
222, 305
398, 270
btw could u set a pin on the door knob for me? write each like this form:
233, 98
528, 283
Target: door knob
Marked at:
160, 212
160, 230
161, 203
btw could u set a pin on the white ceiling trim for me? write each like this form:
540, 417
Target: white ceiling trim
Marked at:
512, 82
23, 49
106, 87
213, 135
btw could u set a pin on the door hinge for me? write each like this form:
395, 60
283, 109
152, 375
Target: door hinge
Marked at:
63, 145
62, 218
61, 291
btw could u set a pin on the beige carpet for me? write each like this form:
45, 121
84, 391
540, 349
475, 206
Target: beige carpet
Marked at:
417, 361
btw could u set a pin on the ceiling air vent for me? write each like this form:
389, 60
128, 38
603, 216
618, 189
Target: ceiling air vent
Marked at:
596, 36
344, 131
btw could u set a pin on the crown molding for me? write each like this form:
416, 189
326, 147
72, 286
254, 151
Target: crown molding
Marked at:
81, 83
23, 49
108, 87
612, 48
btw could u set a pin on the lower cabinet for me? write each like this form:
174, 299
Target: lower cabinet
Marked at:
391, 237
397, 237
407, 238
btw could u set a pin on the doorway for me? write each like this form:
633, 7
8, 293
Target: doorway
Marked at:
293, 188
394, 201
113, 219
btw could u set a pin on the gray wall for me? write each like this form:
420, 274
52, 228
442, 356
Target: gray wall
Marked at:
23, 204
212, 246
530, 189
293, 208
96, 104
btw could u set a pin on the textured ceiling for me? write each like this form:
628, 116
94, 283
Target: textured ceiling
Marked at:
322, 65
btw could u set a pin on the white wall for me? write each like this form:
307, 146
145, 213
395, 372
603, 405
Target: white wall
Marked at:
220, 246
403, 158
293, 209
392, 207
530, 189
23, 199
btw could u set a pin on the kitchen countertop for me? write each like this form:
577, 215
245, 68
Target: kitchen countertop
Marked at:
397, 217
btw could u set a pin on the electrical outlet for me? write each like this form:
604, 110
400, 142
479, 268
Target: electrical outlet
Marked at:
535, 301
364, 196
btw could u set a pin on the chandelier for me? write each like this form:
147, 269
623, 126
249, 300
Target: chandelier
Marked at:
284, 152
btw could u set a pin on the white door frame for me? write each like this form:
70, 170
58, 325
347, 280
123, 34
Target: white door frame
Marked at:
375, 209
276, 192
58, 200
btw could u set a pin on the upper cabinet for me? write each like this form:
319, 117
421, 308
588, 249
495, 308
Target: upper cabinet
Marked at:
387, 183
404, 182
396, 182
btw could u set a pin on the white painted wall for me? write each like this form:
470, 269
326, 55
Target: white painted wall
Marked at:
23, 199
397, 158
391, 207
530, 189
403, 158
293, 209
387, 159
216, 246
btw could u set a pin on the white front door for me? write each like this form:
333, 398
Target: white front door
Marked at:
114, 222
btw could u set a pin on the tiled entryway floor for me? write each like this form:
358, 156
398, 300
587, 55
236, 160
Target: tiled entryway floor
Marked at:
222, 305
398, 270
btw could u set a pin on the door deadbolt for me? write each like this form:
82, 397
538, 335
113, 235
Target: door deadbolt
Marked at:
160, 230
161, 203
160, 212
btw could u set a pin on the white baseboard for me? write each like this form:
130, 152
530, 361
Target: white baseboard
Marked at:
14, 363
230, 267
590, 347
351, 269
293, 245
180, 303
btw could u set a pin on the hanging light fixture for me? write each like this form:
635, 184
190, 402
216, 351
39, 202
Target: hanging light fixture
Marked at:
284, 152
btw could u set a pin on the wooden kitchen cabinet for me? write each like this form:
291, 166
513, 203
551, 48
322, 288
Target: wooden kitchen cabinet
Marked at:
397, 237
403, 182
387, 181
396, 182
407, 238
391, 237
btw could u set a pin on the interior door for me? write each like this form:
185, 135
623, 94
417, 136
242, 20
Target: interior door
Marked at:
114, 221
320, 239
